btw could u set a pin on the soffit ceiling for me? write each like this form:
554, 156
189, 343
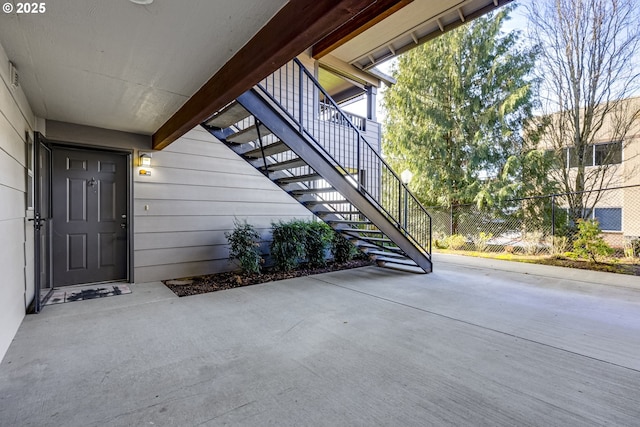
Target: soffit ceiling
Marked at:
118, 65
410, 26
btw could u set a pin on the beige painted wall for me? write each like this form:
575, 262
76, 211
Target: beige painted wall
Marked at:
196, 189
16, 250
623, 175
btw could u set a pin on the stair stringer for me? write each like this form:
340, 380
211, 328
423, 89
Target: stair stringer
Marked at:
308, 150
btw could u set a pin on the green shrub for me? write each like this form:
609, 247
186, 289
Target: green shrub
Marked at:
557, 245
244, 246
287, 246
632, 248
482, 241
342, 249
455, 241
589, 243
317, 239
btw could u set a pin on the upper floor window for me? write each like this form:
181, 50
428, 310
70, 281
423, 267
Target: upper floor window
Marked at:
609, 153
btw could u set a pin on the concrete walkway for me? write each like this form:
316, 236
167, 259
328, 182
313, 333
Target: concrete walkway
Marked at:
510, 345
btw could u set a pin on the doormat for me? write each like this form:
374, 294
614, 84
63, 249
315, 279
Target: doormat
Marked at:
62, 295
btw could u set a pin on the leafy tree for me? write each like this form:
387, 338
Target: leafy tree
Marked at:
456, 113
589, 65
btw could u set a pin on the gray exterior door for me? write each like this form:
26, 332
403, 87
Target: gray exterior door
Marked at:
89, 201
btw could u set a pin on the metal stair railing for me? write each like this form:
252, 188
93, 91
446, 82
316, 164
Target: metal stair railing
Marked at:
294, 89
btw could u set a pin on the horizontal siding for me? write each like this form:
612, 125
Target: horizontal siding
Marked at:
12, 203
176, 224
185, 269
12, 173
182, 211
16, 250
13, 140
184, 239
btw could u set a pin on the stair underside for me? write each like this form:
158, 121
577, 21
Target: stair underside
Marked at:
340, 214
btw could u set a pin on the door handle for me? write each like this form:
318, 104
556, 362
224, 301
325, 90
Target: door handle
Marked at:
37, 221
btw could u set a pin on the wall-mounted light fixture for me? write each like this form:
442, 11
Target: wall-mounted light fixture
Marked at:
144, 161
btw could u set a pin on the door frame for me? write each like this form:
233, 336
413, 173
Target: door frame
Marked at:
39, 219
53, 145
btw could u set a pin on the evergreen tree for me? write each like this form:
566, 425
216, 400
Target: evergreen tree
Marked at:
456, 114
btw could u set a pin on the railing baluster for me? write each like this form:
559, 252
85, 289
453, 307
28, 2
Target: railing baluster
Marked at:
339, 134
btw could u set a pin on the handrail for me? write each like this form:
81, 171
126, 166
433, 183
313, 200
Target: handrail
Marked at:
298, 94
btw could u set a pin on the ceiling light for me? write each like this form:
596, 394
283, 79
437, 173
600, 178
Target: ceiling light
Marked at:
144, 2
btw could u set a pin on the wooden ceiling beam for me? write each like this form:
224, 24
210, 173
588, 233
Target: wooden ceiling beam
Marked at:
359, 24
296, 27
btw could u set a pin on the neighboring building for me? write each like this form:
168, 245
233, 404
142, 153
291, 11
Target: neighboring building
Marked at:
617, 164
89, 89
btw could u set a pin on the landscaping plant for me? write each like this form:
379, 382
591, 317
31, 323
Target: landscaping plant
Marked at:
244, 246
455, 241
317, 239
342, 249
590, 244
481, 241
288, 244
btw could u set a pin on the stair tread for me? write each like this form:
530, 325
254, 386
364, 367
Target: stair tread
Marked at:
269, 150
405, 261
347, 221
247, 135
363, 244
375, 239
229, 115
360, 230
328, 202
314, 191
343, 213
287, 164
299, 178
385, 253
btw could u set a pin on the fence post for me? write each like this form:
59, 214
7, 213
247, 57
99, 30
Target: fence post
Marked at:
553, 217
451, 222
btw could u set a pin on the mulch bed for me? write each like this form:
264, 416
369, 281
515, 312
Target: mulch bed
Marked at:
631, 269
218, 282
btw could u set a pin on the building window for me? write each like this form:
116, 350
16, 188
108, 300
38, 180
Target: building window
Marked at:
609, 153
610, 219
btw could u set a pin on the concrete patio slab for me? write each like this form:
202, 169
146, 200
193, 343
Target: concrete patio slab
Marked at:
466, 345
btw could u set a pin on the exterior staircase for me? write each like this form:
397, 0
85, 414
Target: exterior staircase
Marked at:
291, 130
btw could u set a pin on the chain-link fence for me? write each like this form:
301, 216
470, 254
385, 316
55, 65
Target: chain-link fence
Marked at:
542, 224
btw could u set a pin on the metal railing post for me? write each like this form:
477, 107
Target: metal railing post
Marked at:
406, 210
300, 97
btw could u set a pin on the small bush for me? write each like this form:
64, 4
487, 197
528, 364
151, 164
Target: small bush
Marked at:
590, 244
532, 242
455, 241
317, 239
244, 246
632, 248
288, 244
481, 241
342, 249
557, 245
